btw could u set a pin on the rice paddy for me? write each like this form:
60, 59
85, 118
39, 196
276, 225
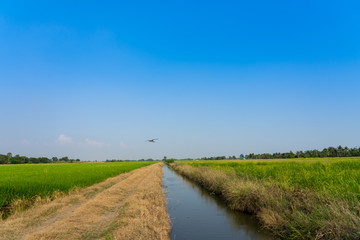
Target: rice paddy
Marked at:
292, 198
335, 176
26, 182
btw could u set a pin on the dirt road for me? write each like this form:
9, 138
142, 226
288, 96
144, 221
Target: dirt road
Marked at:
129, 206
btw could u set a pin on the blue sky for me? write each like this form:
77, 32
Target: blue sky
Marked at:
93, 80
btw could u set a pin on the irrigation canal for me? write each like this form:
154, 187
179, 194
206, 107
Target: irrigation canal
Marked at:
195, 214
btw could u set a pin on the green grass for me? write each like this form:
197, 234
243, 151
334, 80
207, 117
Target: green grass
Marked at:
27, 181
338, 177
293, 198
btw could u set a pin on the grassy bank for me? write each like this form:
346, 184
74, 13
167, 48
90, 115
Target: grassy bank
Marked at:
22, 185
295, 199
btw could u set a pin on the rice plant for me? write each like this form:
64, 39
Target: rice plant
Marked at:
28, 181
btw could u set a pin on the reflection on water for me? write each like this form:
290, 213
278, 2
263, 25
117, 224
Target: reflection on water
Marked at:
195, 214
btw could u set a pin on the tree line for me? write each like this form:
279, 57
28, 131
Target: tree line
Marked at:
218, 158
17, 159
140, 160
326, 152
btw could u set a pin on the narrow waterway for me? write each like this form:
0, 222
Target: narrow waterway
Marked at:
195, 214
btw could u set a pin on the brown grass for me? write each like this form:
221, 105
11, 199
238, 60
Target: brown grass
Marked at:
129, 206
289, 214
19, 205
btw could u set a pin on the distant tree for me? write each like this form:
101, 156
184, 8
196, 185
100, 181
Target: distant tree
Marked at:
65, 159
4, 159
9, 156
324, 152
346, 152
354, 152
301, 154
332, 152
168, 161
17, 159
44, 160
34, 160
340, 151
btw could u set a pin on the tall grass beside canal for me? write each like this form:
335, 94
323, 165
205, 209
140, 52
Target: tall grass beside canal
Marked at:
24, 184
295, 199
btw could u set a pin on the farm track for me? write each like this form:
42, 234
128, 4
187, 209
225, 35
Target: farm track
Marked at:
128, 206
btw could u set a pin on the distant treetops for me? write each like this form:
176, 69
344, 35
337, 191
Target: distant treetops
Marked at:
326, 152
17, 159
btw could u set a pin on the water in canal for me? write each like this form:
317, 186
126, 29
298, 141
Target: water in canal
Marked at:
195, 214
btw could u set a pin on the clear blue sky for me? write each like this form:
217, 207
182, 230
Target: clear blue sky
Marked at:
94, 79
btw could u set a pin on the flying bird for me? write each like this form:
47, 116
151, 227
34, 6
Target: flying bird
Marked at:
152, 140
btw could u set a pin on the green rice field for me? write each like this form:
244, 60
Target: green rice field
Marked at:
335, 176
316, 198
26, 181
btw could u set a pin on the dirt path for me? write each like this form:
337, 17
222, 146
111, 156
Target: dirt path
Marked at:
129, 206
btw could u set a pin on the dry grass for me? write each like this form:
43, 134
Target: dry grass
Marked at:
129, 206
289, 214
22, 185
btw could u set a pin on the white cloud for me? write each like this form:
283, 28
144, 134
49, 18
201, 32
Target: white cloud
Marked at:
123, 145
64, 140
94, 143
25, 142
